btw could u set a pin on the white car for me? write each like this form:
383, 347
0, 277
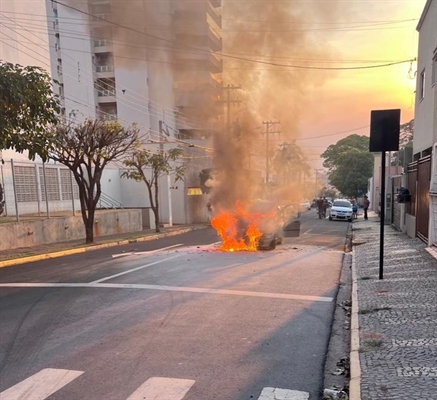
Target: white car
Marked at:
341, 209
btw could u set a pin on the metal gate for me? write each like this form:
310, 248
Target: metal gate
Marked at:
422, 198
396, 209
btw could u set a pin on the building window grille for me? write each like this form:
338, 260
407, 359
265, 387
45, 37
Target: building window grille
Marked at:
52, 184
66, 183
25, 184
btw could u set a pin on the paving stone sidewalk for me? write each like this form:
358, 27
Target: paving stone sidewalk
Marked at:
397, 315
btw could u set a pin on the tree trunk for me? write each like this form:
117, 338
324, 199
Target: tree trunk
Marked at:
89, 231
157, 222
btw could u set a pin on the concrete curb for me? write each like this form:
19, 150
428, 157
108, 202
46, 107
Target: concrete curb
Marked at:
355, 368
62, 253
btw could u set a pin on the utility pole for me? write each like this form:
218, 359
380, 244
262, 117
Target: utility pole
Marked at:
229, 102
268, 124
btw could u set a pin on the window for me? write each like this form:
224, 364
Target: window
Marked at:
433, 70
422, 85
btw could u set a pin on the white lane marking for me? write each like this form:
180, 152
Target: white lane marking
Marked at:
41, 385
308, 231
134, 269
169, 289
140, 253
269, 393
162, 389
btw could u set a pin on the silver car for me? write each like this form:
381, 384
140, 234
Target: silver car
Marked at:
341, 209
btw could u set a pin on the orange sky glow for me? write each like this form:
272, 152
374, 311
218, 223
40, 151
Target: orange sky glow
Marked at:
345, 100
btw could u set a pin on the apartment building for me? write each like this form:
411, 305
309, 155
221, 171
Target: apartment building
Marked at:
151, 63
422, 172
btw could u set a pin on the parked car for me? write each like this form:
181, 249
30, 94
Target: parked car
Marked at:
341, 209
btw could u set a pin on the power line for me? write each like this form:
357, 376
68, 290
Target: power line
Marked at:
306, 67
336, 133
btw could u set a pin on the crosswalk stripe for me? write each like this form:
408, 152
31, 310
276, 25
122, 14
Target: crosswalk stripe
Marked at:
40, 385
162, 389
270, 393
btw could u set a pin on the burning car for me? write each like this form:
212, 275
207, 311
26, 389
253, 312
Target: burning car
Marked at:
260, 226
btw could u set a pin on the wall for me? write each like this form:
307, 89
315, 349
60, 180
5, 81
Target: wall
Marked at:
53, 230
425, 134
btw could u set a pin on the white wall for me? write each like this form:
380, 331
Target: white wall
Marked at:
425, 133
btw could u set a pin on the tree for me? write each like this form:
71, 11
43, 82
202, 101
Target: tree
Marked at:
158, 164
86, 149
350, 164
335, 151
27, 107
290, 162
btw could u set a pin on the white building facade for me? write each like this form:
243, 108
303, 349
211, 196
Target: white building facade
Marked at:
117, 62
422, 173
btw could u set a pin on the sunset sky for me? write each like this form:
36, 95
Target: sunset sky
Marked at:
345, 101
336, 33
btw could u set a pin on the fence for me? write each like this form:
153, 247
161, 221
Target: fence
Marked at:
32, 188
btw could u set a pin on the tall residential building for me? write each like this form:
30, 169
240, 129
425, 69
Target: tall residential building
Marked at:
149, 63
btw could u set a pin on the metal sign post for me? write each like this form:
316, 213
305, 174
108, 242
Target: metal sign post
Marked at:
384, 136
382, 218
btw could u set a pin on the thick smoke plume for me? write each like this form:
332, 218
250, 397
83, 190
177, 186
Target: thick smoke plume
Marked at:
263, 33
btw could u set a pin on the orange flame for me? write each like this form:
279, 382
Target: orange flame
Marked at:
239, 230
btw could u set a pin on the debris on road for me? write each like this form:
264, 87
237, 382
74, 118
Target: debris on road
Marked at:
335, 394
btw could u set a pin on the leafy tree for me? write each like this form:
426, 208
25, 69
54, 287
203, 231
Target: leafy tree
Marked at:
354, 169
158, 165
335, 151
350, 164
27, 106
86, 149
290, 162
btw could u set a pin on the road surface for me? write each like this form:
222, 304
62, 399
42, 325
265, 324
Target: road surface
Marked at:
172, 319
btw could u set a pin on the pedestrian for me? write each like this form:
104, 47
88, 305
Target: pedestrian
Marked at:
366, 206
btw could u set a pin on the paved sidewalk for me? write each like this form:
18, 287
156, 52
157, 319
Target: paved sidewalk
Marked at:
397, 316
34, 253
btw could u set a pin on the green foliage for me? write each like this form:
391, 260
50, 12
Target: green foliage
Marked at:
158, 164
350, 164
27, 107
351, 142
86, 149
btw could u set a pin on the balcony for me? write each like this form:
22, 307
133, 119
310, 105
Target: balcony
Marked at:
102, 46
215, 63
105, 71
215, 41
106, 95
214, 14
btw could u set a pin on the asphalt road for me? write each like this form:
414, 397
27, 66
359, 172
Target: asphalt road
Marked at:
172, 319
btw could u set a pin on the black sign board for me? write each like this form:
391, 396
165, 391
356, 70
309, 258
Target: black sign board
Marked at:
384, 130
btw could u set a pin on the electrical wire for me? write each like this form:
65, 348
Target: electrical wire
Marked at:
306, 67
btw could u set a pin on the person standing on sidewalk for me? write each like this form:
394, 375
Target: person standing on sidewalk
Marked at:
366, 206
